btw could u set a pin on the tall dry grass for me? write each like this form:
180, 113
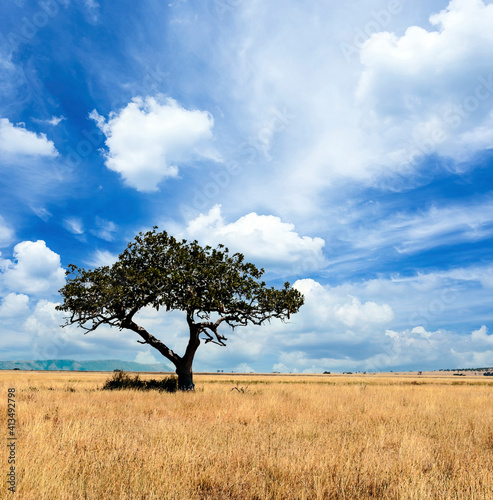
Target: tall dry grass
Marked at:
283, 438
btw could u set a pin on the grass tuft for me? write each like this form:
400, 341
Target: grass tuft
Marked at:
121, 380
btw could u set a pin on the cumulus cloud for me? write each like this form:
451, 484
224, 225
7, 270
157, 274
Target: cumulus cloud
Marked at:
409, 349
415, 322
417, 345
441, 299
325, 304
145, 358
149, 137
44, 317
481, 336
42, 333
244, 368
17, 140
46, 338
14, 305
372, 122
378, 324
35, 270
265, 239
356, 312
431, 91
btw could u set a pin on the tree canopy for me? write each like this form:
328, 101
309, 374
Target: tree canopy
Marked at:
211, 286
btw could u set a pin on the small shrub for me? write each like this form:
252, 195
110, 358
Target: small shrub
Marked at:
121, 380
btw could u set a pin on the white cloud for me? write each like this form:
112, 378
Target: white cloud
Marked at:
262, 238
93, 8
365, 122
434, 227
42, 334
432, 300
36, 270
102, 258
149, 137
414, 348
16, 140
333, 305
54, 120
106, 229
46, 339
481, 336
448, 348
280, 367
145, 358
431, 91
244, 368
378, 324
356, 312
44, 318
6, 233
417, 321
42, 213
480, 274
74, 225
14, 305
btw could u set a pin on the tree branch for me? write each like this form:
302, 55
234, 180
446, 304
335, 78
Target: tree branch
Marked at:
153, 341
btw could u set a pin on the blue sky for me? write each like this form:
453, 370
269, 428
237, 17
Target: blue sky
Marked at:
344, 146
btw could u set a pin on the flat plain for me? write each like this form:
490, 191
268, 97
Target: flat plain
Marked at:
385, 436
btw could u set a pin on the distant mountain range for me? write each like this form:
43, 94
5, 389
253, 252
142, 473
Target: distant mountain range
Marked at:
106, 365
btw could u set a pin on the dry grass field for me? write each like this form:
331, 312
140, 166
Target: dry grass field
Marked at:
285, 437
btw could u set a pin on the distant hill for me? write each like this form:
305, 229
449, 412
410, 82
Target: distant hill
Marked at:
106, 365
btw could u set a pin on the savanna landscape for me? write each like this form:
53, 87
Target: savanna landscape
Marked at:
247, 194
241, 436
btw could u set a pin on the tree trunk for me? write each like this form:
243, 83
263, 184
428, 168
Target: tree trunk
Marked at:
185, 378
184, 365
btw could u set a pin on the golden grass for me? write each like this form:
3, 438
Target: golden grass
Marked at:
286, 437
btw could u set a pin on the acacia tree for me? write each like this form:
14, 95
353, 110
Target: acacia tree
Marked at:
211, 286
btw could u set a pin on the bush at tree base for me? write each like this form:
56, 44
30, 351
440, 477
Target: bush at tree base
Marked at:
121, 380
